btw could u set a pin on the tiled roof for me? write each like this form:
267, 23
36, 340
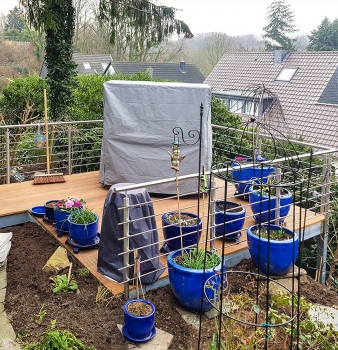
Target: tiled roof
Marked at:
166, 71
97, 63
309, 100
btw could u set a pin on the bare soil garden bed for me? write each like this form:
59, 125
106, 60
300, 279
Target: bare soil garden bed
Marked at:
95, 323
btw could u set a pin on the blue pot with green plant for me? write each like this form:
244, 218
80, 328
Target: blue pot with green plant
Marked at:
273, 248
244, 176
187, 277
62, 209
191, 227
263, 203
83, 226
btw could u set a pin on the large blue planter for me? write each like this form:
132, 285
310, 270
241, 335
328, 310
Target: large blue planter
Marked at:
263, 207
171, 233
188, 284
138, 328
229, 222
282, 255
243, 177
61, 220
83, 234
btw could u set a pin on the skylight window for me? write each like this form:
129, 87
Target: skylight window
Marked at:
87, 66
286, 74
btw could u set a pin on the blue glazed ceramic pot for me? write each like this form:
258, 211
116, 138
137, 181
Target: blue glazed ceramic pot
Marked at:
138, 328
279, 259
188, 284
61, 220
49, 209
243, 177
83, 234
190, 234
263, 206
230, 220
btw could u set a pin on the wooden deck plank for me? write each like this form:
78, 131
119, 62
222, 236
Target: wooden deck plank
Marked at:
20, 197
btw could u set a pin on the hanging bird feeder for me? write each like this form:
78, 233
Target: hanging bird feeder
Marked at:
39, 139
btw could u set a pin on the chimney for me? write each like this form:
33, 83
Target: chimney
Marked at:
182, 66
280, 56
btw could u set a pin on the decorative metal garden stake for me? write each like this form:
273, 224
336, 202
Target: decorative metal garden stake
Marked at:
137, 274
176, 160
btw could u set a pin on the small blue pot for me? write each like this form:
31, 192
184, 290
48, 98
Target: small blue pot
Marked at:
229, 223
282, 256
49, 210
264, 207
188, 284
139, 328
243, 177
171, 233
83, 234
61, 220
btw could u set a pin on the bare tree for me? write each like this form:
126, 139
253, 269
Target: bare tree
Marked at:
215, 45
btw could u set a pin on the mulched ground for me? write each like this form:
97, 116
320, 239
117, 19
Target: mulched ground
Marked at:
29, 289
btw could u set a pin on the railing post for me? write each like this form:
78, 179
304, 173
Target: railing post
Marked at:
212, 211
278, 194
324, 209
8, 159
70, 161
126, 246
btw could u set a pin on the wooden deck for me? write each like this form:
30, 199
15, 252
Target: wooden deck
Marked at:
20, 197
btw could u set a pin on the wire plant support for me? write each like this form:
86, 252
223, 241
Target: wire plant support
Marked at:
260, 161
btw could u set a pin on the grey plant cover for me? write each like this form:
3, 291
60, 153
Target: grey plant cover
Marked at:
139, 118
143, 236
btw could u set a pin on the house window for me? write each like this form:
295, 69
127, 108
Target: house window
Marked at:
86, 65
250, 108
286, 74
236, 106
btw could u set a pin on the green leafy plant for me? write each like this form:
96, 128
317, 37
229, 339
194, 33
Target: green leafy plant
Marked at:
64, 283
83, 272
85, 216
55, 339
278, 235
194, 259
41, 314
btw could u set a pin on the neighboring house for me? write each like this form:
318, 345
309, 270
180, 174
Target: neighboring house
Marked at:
182, 72
306, 84
86, 64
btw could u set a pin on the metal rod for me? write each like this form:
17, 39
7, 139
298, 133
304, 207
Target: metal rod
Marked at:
8, 159
70, 161
126, 245
324, 208
212, 211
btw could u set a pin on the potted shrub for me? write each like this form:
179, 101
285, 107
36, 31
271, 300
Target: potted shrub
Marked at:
187, 277
273, 249
263, 203
49, 210
62, 209
139, 318
173, 223
229, 219
83, 226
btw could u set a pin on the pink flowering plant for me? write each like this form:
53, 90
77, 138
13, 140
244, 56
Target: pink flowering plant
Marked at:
69, 204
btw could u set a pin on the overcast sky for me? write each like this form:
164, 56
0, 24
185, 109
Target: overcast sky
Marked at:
238, 17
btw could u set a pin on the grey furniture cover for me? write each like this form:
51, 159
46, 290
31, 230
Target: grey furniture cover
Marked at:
139, 118
109, 262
